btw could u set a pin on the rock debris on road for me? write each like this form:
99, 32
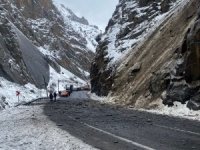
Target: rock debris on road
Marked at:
75, 123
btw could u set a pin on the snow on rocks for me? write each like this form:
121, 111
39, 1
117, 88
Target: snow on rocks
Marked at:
122, 38
93, 96
178, 110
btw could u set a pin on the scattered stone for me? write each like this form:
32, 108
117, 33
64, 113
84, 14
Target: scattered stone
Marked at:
60, 125
180, 93
193, 105
149, 120
159, 82
32, 91
109, 115
165, 5
168, 102
79, 104
135, 68
194, 102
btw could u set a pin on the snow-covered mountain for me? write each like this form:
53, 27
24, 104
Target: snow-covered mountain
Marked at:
79, 25
40, 39
131, 23
146, 54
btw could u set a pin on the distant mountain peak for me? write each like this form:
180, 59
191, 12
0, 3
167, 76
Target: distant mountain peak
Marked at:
71, 15
80, 25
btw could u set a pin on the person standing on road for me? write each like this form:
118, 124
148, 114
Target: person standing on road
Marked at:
54, 95
51, 96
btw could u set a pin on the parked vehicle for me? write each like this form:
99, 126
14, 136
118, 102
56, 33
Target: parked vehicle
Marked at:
64, 93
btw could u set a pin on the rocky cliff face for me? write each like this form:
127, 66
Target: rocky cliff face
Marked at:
184, 82
36, 34
162, 63
130, 24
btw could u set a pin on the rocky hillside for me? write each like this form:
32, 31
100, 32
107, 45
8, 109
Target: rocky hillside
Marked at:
131, 23
152, 55
36, 34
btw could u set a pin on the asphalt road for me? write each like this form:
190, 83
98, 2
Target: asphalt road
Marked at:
109, 127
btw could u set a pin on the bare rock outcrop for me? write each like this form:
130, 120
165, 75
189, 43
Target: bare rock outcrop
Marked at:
130, 24
185, 85
169, 58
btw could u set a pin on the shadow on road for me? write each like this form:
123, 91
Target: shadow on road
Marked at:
77, 116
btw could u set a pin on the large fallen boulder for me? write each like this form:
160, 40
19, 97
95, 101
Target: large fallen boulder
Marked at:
194, 102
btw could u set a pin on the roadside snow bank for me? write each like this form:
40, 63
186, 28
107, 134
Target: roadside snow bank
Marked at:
93, 96
28, 128
178, 110
30, 92
8, 90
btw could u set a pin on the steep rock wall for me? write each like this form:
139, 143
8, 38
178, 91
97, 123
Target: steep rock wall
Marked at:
130, 24
164, 65
185, 84
166, 60
11, 62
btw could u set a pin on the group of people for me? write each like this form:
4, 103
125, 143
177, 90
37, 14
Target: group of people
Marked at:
52, 96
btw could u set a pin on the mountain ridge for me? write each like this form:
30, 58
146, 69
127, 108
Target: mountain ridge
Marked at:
43, 24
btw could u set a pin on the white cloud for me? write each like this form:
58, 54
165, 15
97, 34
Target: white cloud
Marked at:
98, 12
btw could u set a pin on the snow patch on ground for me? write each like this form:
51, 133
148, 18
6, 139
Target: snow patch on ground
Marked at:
27, 127
29, 92
178, 110
8, 90
93, 96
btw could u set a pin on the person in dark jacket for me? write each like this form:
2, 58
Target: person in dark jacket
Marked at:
51, 96
54, 95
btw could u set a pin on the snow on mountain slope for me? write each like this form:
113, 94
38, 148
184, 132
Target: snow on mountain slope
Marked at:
132, 23
79, 25
127, 32
38, 41
65, 41
66, 77
29, 92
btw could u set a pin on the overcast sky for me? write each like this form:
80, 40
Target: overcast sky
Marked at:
98, 12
